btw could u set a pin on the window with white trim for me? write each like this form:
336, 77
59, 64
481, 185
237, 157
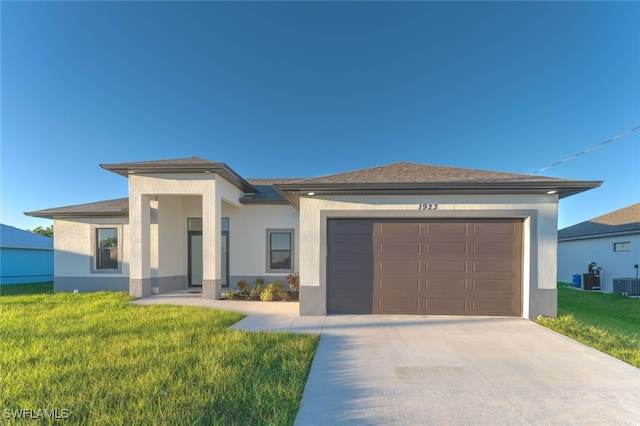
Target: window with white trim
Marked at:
280, 250
624, 246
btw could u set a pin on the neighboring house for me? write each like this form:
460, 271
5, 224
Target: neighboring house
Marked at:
612, 241
25, 257
403, 238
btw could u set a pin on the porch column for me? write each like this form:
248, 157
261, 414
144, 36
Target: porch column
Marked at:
211, 242
140, 247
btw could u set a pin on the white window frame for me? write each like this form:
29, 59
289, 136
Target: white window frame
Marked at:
622, 246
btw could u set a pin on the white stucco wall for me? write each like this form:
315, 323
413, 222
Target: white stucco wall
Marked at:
575, 255
172, 237
210, 190
248, 226
73, 246
539, 212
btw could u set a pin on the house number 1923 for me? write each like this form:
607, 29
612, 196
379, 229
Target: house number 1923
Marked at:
426, 206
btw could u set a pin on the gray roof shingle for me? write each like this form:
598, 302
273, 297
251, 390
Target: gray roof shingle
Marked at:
626, 220
181, 165
118, 207
403, 177
406, 172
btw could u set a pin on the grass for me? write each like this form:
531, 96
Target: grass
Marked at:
607, 322
33, 288
107, 361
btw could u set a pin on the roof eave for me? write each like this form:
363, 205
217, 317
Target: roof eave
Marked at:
267, 201
45, 214
603, 235
218, 168
563, 188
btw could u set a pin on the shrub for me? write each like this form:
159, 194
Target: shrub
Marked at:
244, 288
256, 292
231, 294
260, 282
293, 280
272, 292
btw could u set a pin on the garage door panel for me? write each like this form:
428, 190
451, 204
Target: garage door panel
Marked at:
494, 228
446, 228
396, 229
493, 266
347, 248
446, 305
446, 248
438, 266
400, 248
400, 267
352, 304
350, 266
492, 284
446, 284
496, 306
399, 284
506, 248
392, 305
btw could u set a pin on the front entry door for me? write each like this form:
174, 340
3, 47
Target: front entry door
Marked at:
195, 251
225, 259
195, 258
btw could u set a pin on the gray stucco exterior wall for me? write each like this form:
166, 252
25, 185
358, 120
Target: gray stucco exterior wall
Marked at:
544, 302
91, 284
315, 300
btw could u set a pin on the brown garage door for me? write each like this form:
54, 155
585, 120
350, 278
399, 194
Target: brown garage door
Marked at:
350, 266
444, 266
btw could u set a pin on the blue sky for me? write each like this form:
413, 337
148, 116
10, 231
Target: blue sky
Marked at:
303, 89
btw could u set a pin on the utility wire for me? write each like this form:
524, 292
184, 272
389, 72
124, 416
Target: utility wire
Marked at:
628, 132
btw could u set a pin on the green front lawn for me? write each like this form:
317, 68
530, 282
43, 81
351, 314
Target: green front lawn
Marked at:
32, 288
607, 322
106, 361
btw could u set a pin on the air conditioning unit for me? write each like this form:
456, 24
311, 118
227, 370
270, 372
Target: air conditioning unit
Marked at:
628, 286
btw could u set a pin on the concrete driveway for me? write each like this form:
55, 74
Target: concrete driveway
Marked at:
405, 370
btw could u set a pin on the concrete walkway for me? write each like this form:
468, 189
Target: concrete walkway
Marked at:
406, 370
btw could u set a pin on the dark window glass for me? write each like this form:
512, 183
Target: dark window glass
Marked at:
106, 248
280, 250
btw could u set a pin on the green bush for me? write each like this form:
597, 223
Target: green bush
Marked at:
244, 288
272, 292
231, 294
255, 292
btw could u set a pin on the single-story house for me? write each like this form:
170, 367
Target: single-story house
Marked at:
403, 238
612, 241
25, 257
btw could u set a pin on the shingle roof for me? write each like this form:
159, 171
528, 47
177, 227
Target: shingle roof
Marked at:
18, 238
118, 207
397, 178
412, 178
175, 161
405, 172
266, 192
181, 165
626, 220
